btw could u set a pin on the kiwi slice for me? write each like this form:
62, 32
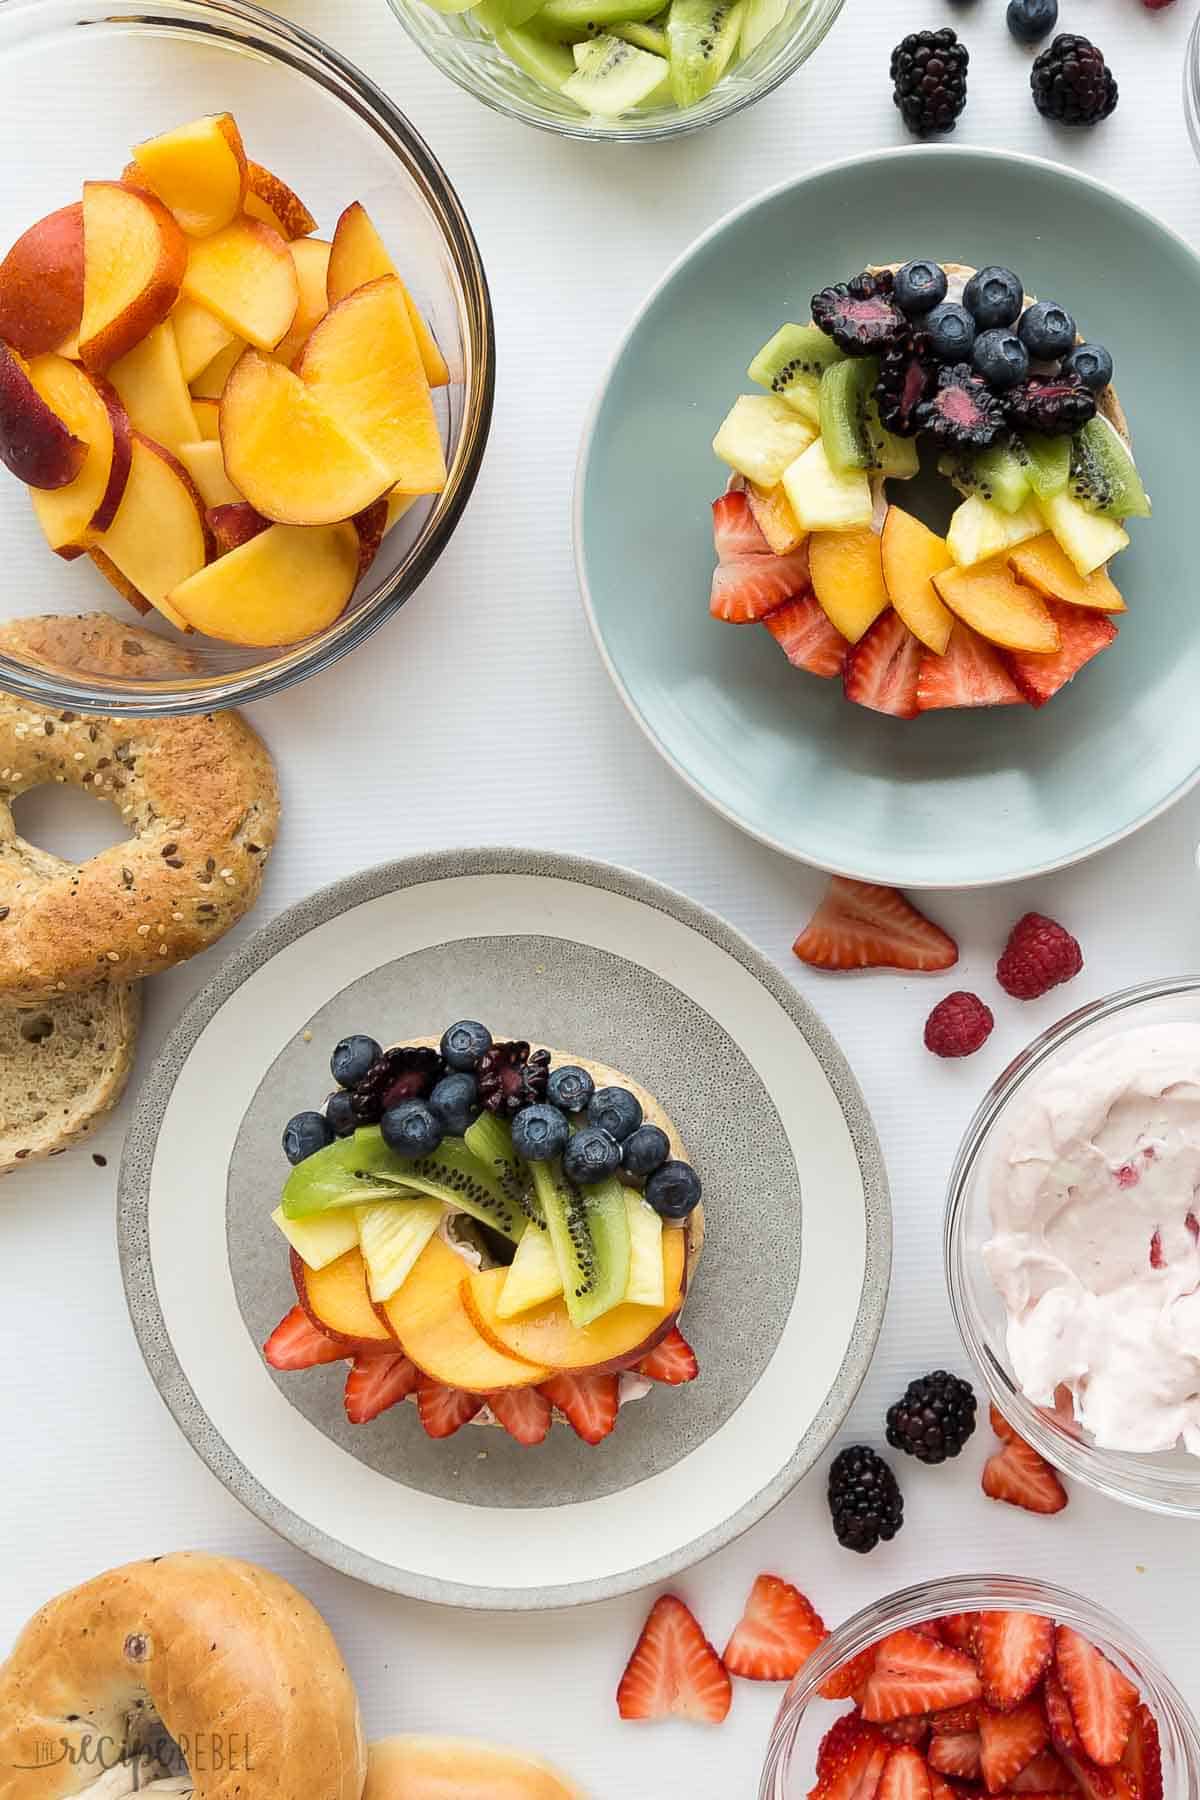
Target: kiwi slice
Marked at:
1103, 476
589, 1229
846, 390
583, 18
792, 363
541, 57
1049, 464
895, 458
490, 1141
612, 77
361, 1168
649, 36
703, 35
999, 474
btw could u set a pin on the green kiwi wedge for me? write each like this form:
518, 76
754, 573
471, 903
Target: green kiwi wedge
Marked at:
360, 1168
703, 35
589, 1229
612, 77
1049, 464
846, 390
1103, 475
791, 365
999, 474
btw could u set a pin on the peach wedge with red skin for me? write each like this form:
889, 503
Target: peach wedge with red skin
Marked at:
430, 1319
35, 444
134, 260
272, 201
150, 381
198, 170
233, 524
989, 598
359, 256
72, 516
41, 284
245, 276
159, 536
117, 581
846, 570
276, 587
336, 1300
311, 257
912, 556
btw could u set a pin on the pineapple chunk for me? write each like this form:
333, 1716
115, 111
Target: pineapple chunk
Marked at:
761, 436
979, 530
824, 499
647, 1284
320, 1239
533, 1275
1088, 538
391, 1236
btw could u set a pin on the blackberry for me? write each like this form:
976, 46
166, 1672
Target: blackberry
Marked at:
934, 1419
864, 1500
861, 316
1054, 405
907, 376
510, 1077
962, 410
929, 75
394, 1077
1072, 83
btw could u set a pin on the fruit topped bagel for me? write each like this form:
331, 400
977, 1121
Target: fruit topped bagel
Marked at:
503, 1234
963, 370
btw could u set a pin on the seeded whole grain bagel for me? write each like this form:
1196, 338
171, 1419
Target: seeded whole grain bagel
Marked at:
198, 796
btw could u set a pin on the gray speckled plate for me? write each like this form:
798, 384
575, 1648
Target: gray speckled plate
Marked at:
784, 1312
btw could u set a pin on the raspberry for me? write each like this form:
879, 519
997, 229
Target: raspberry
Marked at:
958, 1025
1038, 956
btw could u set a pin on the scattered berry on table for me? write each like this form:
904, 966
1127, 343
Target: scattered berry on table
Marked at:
351, 1059
305, 1134
920, 286
951, 331
1047, 330
962, 410
1091, 363
1017, 1475
339, 1113
1156, 5
540, 1133
994, 296
1031, 20
1040, 954
411, 1129
934, 1418
1072, 83
1053, 405
1000, 357
673, 1190
959, 1025
510, 1076
570, 1088
455, 1101
862, 925
929, 79
591, 1156
862, 315
864, 1499
674, 1670
645, 1150
776, 1634
465, 1044
616, 1111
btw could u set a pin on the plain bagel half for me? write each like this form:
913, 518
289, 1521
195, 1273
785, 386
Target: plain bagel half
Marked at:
437, 1768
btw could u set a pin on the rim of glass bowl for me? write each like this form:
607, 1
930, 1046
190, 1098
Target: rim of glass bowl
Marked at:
780, 54
987, 1593
240, 23
1126, 1481
1191, 85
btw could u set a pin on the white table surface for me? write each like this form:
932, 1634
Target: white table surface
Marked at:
92, 1469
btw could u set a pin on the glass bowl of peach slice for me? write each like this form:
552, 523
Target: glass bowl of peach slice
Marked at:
246, 353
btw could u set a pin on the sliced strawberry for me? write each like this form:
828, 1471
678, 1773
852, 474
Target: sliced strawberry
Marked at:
1142, 1756
747, 590
673, 1361
941, 1789
907, 1731
1000, 1424
1008, 1741
915, 1674
956, 1718
736, 531
1018, 1475
857, 1770
971, 673
961, 1631
1084, 635
375, 1383
1046, 1774
588, 1403
861, 925
843, 1737
905, 1776
848, 1682
674, 1670
524, 1413
444, 1410
956, 1753
882, 668
1103, 1702
776, 1634
1015, 1650
1063, 1734
804, 633
296, 1343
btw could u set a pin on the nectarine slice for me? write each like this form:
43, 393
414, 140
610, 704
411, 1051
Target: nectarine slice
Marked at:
35, 444
311, 257
277, 588
775, 518
428, 1316
198, 170
989, 598
398, 503
360, 255
288, 454
272, 201
134, 258
116, 580
150, 382
363, 365
846, 569
159, 536
199, 336
336, 1300
92, 411
1045, 565
41, 284
210, 383
235, 523
370, 526
206, 466
208, 418
245, 276
912, 556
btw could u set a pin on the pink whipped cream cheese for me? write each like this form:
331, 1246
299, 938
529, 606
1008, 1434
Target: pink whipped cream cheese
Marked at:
1095, 1203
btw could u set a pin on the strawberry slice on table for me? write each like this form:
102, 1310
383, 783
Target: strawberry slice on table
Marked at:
1084, 635
1102, 1701
375, 1383
445, 1410
882, 668
958, 1754
917, 1674
524, 1413
674, 1670
803, 631
1019, 1476
848, 1682
971, 673
1000, 1424
854, 1769
1008, 1741
1142, 1756
905, 1776
296, 1343
736, 532
1015, 1650
862, 925
672, 1362
589, 1403
776, 1634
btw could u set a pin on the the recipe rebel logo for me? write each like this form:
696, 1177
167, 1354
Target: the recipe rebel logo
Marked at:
203, 1753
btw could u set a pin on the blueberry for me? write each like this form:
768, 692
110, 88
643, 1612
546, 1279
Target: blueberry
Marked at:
1000, 357
540, 1133
465, 1045
304, 1135
1047, 331
1030, 20
616, 1111
590, 1156
994, 296
455, 1102
645, 1150
570, 1089
411, 1129
352, 1058
674, 1190
1093, 365
952, 332
920, 286
339, 1114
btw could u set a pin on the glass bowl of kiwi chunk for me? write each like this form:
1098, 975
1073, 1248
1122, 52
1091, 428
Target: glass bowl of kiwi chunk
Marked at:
623, 70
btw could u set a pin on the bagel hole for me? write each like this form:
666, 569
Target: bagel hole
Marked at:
67, 822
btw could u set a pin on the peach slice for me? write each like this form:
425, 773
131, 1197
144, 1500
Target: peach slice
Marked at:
235, 523
199, 336
198, 170
846, 569
92, 411
35, 445
371, 527
912, 555
159, 536
208, 418
277, 588
206, 466
363, 365
1045, 565
116, 580
428, 1316
245, 276
359, 256
311, 257
774, 517
153, 391
989, 598
287, 453
210, 383
398, 503
272, 201
41, 284
134, 259
335, 1299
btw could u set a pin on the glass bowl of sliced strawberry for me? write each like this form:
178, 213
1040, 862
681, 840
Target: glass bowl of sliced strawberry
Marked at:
982, 1685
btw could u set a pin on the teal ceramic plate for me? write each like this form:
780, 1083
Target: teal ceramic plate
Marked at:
951, 799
